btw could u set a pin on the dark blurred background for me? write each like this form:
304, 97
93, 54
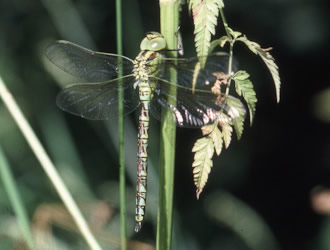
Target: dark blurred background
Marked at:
267, 191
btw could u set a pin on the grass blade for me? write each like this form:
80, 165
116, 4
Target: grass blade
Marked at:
122, 181
15, 200
47, 165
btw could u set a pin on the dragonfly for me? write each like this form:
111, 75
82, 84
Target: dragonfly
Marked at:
145, 83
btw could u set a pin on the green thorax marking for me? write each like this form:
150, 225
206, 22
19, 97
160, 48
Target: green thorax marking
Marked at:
147, 61
145, 65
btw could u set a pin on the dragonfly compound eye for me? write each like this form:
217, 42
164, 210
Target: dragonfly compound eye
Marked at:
154, 41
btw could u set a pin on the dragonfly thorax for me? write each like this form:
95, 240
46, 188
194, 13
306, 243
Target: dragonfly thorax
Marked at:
145, 65
140, 70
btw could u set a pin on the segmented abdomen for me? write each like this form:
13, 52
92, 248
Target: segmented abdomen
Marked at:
142, 165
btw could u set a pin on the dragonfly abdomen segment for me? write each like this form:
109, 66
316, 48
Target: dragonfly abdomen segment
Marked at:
142, 165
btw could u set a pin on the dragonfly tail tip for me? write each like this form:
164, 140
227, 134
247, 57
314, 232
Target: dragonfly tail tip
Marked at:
137, 227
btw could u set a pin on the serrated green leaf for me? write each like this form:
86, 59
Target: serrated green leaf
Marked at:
224, 118
210, 150
238, 124
199, 144
236, 107
197, 169
251, 45
196, 163
268, 60
241, 75
227, 131
193, 3
244, 87
202, 162
221, 42
237, 114
199, 155
273, 68
220, 3
216, 136
205, 14
207, 129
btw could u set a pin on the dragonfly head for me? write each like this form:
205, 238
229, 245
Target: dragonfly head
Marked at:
153, 41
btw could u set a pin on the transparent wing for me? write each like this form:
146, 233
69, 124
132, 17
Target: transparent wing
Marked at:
193, 110
98, 101
189, 71
86, 64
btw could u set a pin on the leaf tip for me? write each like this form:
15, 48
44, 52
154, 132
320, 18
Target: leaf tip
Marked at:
198, 192
278, 96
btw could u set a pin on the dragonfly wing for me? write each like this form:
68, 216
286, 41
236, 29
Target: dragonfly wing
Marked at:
98, 101
192, 110
189, 71
86, 64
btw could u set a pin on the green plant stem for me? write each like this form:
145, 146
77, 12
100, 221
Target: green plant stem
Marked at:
122, 181
15, 200
225, 24
231, 46
169, 14
47, 165
230, 64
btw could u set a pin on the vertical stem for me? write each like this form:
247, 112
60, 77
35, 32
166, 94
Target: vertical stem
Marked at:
231, 45
230, 64
225, 24
121, 131
169, 14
